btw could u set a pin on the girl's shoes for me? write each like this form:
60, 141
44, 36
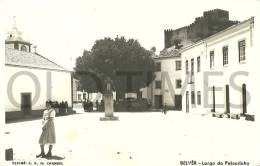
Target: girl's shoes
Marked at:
48, 155
40, 155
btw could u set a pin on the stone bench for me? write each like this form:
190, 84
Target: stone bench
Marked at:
234, 116
250, 117
218, 115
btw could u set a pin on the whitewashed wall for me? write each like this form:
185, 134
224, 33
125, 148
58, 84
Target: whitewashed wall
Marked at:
220, 75
230, 39
60, 87
168, 76
198, 84
168, 67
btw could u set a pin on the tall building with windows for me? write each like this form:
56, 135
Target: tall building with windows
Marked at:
214, 76
193, 57
166, 88
221, 84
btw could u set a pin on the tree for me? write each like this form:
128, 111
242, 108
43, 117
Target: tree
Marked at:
153, 49
177, 43
126, 62
88, 79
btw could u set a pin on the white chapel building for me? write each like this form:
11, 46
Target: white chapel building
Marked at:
31, 79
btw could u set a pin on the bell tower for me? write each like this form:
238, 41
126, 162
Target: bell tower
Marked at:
14, 40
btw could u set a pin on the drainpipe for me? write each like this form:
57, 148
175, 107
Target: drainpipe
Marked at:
71, 84
251, 31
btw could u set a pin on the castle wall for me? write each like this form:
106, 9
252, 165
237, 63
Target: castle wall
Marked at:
210, 23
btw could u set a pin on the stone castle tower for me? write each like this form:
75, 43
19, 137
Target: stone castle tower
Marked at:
210, 23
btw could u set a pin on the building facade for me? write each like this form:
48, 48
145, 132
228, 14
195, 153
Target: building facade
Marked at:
217, 72
32, 79
193, 59
166, 87
75, 86
214, 74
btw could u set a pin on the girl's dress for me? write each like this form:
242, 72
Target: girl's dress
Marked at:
48, 135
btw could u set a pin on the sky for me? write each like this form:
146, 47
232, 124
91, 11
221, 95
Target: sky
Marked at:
62, 29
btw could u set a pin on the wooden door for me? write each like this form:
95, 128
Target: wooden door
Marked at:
26, 103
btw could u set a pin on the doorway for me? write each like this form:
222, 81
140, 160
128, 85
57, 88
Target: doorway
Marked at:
26, 103
178, 103
158, 101
187, 102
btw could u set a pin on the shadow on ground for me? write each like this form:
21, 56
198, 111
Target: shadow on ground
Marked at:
32, 117
55, 157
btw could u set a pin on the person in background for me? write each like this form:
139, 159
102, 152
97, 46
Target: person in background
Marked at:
66, 107
102, 105
164, 109
84, 105
48, 136
97, 105
90, 106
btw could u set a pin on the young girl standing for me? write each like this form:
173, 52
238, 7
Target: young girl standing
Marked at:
48, 136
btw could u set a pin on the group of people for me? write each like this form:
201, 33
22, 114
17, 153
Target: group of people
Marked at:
60, 107
88, 105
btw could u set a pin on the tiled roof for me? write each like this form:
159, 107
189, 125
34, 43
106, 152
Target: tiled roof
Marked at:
29, 59
166, 53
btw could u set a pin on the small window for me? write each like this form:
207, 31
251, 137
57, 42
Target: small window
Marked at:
178, 83
225, 55
198, 98
242, 50
211, 59
158, 66
198, 64
16, 46
23, 48
187, 66
158, 85
79, 97
192, 97
192, 66
178, 65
